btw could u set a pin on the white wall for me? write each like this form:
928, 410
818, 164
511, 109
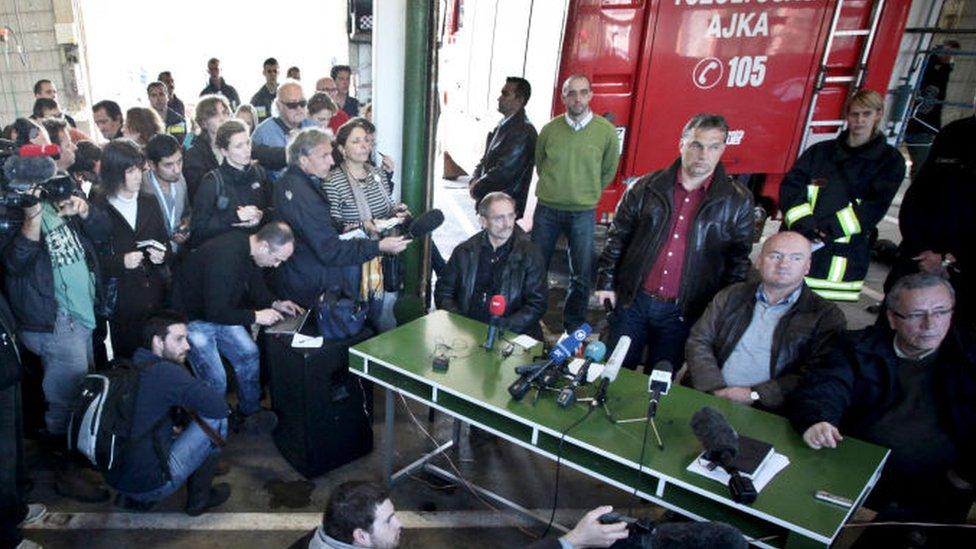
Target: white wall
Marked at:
389, 34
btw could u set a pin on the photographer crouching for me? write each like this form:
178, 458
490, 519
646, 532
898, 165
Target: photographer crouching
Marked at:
50, 271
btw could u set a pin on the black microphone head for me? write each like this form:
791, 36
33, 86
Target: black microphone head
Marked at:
664, 366
719, 439
425, 223
693, 535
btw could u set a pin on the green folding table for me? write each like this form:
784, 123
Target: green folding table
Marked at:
474, 390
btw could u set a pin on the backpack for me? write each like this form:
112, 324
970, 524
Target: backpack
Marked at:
101, 422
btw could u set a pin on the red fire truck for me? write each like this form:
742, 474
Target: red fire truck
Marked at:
778, 70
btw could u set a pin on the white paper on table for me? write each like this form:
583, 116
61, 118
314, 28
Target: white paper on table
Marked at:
591, 374
524, 341
776, 463
355, 233
301, 341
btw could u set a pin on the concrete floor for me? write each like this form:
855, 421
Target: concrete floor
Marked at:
435, 514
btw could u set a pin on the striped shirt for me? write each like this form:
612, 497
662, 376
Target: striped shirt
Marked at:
343, 203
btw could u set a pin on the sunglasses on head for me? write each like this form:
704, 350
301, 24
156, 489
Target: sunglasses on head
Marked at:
295, 104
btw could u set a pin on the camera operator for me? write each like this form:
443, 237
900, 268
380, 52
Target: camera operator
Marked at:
57, 131
50, 271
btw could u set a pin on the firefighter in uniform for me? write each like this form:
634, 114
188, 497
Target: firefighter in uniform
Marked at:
836, 194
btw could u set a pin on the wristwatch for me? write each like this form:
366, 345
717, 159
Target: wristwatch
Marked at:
754, 396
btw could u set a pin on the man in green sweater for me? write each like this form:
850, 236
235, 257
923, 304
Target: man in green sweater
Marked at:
576, 155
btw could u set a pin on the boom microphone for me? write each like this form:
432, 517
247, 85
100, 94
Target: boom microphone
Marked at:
611, 370
425, 223
594, 353
658, 385
692, 535
721, 445
496, 308
29, 169
563, 349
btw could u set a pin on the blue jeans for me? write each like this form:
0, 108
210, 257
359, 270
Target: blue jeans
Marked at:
208, 341
190, 449
66, 354
654, 323
547, 225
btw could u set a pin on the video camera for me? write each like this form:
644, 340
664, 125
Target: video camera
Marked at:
29, 176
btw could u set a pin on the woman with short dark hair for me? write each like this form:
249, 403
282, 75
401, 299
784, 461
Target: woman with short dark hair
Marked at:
233, 196
135, 277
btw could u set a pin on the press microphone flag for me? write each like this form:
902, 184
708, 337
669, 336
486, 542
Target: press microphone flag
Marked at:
496, 308
594, 353
658, 385
563, 349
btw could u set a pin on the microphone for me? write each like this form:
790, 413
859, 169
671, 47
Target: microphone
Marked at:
611, 370
496, 308
721, 445
594, 353
425, 223
692, 535
658, 385
563, 349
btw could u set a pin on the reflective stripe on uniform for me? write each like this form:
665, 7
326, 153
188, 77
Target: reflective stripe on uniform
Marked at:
813, 191
836, 295
176, 128
843, 240
820, 283
848, 220
838, 266
797, 212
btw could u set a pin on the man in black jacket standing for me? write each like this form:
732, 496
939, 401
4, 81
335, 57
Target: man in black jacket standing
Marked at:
499, 260
221, 288
679, 236
155, 463
509, 150
911, 389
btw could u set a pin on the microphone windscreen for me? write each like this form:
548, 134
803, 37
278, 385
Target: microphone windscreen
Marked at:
616, 359
496, 307
719, 439
693, 535
29, 169
595, 351
425, 223
568, 344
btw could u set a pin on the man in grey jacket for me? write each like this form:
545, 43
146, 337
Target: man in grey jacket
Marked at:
753, 341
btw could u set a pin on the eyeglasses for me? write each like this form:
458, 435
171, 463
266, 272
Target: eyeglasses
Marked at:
300, 104
917, 316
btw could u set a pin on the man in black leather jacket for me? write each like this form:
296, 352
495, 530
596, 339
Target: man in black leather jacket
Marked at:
509, 150
498, 260
679, 236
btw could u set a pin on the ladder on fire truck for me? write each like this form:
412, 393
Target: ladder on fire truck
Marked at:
851, 81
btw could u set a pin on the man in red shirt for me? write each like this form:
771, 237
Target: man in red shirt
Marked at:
679, 236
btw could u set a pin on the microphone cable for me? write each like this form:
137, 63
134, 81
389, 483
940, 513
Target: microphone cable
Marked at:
640, 467
559, 456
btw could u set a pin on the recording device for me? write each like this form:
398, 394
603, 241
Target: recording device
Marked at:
496, 308
611, 370
658, 385
563, 349
594, 353
425, 223
721, 444
28, 177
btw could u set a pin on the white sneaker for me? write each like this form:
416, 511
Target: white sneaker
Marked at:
35, 512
